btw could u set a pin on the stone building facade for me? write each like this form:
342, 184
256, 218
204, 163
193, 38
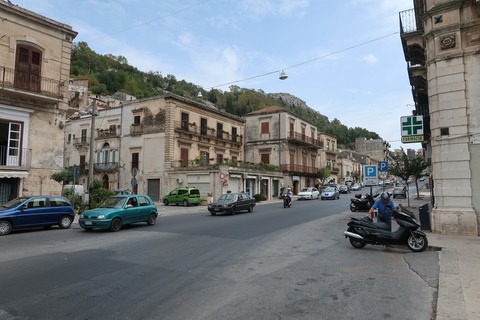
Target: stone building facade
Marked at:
34, 72
441, 42
274, 136
154, 145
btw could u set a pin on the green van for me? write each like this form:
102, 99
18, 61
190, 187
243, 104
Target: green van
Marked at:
184, 196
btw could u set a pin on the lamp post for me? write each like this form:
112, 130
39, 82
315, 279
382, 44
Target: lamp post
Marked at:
92, 147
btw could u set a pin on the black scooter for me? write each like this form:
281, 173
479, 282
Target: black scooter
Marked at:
362, 231
362, 203
287, 201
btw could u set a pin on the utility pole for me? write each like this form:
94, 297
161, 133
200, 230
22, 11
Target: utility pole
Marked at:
91, 151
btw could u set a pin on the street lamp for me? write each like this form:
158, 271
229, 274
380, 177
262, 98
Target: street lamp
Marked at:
91, 149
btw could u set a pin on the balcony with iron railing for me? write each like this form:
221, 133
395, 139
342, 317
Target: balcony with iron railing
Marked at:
15, 81
299, 169
408, 22
199, 131
18, 159
303, 139
105, 167
212, 164
83, 141
105, 134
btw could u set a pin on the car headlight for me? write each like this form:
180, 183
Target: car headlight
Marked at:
101, 216
81, 216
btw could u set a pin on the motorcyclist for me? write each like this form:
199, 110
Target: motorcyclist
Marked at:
289, 195
384, 206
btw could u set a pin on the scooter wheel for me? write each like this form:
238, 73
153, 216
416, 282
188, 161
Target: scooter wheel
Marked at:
353, 208
417, 243
357, 243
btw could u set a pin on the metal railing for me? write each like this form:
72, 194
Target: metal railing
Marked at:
297, 136
15, 158
81, 141
105, 166
107, 134
408, 22
10, 78
299, 168
207, 132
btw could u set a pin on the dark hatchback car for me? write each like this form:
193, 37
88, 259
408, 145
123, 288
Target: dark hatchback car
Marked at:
232, 203
116, 211
35, 211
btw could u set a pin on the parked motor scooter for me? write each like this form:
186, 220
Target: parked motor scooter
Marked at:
362, 203
362, 231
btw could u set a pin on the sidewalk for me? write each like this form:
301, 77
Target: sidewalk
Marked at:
459, 278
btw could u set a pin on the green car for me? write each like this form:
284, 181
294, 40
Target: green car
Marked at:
184, 196
116, 211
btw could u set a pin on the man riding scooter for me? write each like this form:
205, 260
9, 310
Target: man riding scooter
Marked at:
384, 206
288, 198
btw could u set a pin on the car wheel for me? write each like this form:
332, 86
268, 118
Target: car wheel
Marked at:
165, 202
152, 218
5, 227
185, 203
234, 211
65, 222
116, 225
250, 208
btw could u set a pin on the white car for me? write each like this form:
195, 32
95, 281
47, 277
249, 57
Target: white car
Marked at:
308, 193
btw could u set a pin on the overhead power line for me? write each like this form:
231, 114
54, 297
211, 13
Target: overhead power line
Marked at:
302, 63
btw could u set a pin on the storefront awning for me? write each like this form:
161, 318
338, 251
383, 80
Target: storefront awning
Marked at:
13, 174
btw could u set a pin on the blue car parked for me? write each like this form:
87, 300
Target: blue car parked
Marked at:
36, 211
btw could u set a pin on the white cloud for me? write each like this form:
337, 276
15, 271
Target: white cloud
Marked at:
370, 59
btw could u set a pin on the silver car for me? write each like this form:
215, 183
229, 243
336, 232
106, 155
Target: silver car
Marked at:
330, 193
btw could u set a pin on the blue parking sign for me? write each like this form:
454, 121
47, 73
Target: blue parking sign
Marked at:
370, 171
383, 166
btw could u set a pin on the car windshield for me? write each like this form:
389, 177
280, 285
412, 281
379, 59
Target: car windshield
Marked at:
228, 197
113, 202
329, 189
13, 203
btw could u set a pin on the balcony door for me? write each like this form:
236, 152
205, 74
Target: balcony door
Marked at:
28, 68
11, 153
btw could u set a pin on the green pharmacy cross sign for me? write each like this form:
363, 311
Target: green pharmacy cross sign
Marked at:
412, 129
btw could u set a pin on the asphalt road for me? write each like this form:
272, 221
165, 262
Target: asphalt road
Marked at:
274, 263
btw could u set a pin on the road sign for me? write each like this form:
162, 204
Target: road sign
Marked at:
383, 175
383, 166
370, 173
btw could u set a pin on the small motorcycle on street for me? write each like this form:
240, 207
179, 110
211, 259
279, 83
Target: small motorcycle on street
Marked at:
362, 203
362, 231
287, 201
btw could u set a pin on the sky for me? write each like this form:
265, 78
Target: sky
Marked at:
344, 58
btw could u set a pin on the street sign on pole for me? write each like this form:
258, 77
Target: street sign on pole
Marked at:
383, 166
370, 173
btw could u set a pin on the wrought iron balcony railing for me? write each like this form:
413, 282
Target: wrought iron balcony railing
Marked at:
304, 139
299, 168
15, 158
13, 79
105, 167
182, 126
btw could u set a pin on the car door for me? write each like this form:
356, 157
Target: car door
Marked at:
35, 212
132, 210
144, 208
